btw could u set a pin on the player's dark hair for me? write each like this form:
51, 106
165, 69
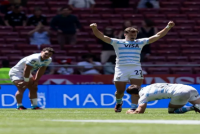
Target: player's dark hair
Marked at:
130, 29
48, 49
133, 89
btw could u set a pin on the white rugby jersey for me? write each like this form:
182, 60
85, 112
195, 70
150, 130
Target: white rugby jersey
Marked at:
33, 60
128, 52
158, 91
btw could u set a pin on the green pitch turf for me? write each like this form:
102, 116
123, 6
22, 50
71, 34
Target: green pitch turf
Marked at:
41, 122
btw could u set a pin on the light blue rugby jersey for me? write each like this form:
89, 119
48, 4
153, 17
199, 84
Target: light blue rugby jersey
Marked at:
128, 52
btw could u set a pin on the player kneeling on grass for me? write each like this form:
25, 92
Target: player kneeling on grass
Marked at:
21, 75
178, 93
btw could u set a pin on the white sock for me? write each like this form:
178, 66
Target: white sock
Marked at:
20, 104
34, 102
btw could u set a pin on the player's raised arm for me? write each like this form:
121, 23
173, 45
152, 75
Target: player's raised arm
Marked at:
162, 33
99, 34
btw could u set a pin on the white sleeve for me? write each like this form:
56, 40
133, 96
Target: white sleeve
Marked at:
142, 100
144, 41
114, 41
31, 61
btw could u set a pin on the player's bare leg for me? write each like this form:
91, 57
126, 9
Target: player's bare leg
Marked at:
134, 97
121, 87
33, 94
19, 94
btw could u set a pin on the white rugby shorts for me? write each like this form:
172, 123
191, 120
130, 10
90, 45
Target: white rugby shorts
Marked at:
17, 75
127, 72
184, 95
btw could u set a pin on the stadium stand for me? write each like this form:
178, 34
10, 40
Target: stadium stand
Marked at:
180, 45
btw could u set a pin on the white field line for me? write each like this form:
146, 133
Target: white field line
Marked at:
193, 122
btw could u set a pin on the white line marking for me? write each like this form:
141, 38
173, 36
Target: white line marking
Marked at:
194, 122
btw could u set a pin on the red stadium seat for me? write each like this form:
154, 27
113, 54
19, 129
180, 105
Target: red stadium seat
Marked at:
6, 29
167, 47
15, 58
194, 41
190, 4
181, 70
171, 35
16, 41
147, 11
197, 28
111, 16
177, 58
94, 47
96, 52
183, 28
56, 58
176, 41
194, 58
168, 4
60, 52
3, 58
185, 22
86, 41
169, 10
189, 10
77, 52
45, 10
10, 52
177, 17
158, 70
194, 16
6, 47
34, 4
13, 63
103, 10
155, 16
90, 16
168, 52
190, 52
24, 29
161, 22
190, 47
9, 34
29, 52
189, 34
115, 22
156, 58
27, 47
123, 10
57, 4
133, 16
83, 34
74, 47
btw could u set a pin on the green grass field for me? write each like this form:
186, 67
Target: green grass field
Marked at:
42, 122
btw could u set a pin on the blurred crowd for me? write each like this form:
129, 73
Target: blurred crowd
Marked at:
66, 26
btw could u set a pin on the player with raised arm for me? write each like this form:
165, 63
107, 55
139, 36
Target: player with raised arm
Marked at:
178, 93
21, 75
128, 66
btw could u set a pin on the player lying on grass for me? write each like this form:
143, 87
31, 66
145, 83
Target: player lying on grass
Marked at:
178, 93
21, 75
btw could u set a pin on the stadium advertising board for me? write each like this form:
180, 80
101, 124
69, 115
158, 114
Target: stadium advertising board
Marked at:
73, 96
108, 79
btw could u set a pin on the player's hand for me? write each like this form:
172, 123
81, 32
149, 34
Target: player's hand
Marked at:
93, 25
130, 111
171, 24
